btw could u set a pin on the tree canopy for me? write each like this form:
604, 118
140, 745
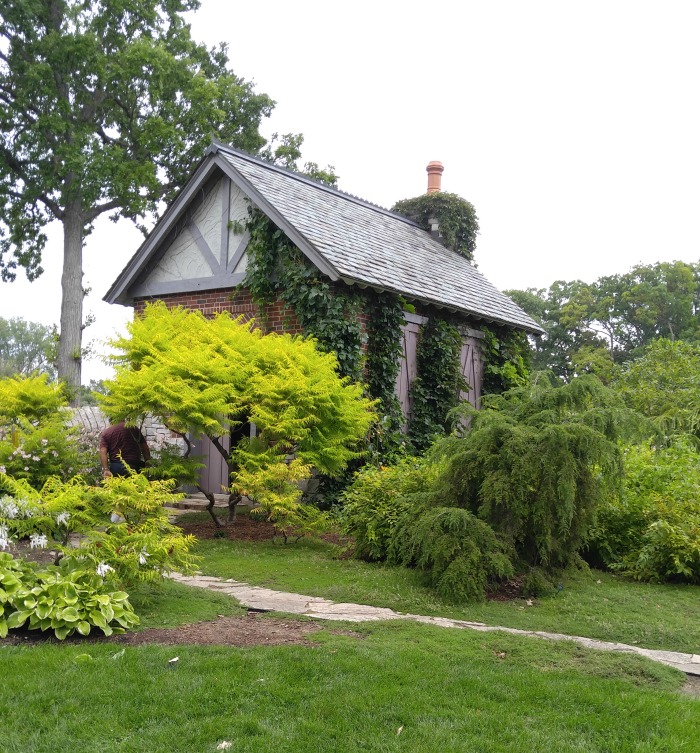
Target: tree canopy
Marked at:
536, 461
104, 107
591, 326
664, 385
26, 347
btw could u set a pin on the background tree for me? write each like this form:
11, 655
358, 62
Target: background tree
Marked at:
612, 320
88, 393
104, 107
663, 385
648, 302
26, 347
285, 151
563, 310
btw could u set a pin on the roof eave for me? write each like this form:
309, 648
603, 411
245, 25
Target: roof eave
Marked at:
307, 248
533, 329
213, 161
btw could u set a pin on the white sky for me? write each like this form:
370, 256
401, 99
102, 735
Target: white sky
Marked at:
573, 127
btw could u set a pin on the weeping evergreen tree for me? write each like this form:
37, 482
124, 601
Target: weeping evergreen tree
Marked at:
536, 462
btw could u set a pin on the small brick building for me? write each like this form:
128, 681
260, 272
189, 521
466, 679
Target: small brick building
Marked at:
196, 257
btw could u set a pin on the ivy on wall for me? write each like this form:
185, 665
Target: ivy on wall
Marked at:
507, 359
385, 318
456, 218
333, 314
436, 389
328, 312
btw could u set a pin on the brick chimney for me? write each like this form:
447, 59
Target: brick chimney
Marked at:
434, 170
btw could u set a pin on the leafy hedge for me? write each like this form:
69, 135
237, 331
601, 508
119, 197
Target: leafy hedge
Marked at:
378, 499
652, 530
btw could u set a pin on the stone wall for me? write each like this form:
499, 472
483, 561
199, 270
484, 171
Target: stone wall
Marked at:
93, 421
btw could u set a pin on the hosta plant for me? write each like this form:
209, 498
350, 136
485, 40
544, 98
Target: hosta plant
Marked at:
65, 599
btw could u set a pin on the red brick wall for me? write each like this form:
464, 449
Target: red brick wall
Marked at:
275, 317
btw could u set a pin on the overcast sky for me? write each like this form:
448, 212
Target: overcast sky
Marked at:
573, 127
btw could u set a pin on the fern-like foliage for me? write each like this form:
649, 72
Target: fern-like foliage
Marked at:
30, 398
460, 553
207, 376
536, 462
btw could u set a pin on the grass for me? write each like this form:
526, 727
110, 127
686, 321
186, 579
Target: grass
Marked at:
170, 604
398, 687
592, 604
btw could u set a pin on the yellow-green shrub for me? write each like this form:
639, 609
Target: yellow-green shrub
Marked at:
76, 520
652, 529
207, 376
378, 498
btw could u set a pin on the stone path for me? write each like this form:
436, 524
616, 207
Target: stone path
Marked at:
266, 600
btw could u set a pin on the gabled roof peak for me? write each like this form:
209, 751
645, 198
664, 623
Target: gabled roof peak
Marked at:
217, 147
345, 237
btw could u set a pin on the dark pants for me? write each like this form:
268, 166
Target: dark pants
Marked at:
119, 469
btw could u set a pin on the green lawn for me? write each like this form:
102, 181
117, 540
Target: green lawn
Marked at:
377, 687
444, 690
169, 604
592, 604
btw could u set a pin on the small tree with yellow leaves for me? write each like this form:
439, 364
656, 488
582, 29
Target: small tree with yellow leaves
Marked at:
208, 376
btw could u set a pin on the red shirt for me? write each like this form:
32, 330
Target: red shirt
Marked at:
123, 443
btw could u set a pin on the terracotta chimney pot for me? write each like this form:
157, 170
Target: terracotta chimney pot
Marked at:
434, 170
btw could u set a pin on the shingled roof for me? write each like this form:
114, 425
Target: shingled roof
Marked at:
360, 243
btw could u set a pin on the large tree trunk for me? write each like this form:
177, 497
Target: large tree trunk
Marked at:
70, 341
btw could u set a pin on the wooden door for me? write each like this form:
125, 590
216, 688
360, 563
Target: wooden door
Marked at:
472, 367
214, 475
408, 368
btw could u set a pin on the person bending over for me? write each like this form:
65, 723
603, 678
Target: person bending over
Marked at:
122, 446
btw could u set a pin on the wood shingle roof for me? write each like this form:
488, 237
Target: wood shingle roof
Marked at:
357, 242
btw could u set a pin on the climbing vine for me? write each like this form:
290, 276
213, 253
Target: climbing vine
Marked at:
507, 359
437, 387
331, 313
385, 317
455, 216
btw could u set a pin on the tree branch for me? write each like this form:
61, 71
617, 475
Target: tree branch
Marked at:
222, 450
99, 209
53, 207
87, 113
106, 139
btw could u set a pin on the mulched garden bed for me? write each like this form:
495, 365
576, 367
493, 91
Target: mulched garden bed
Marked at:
252, 629
246, 527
